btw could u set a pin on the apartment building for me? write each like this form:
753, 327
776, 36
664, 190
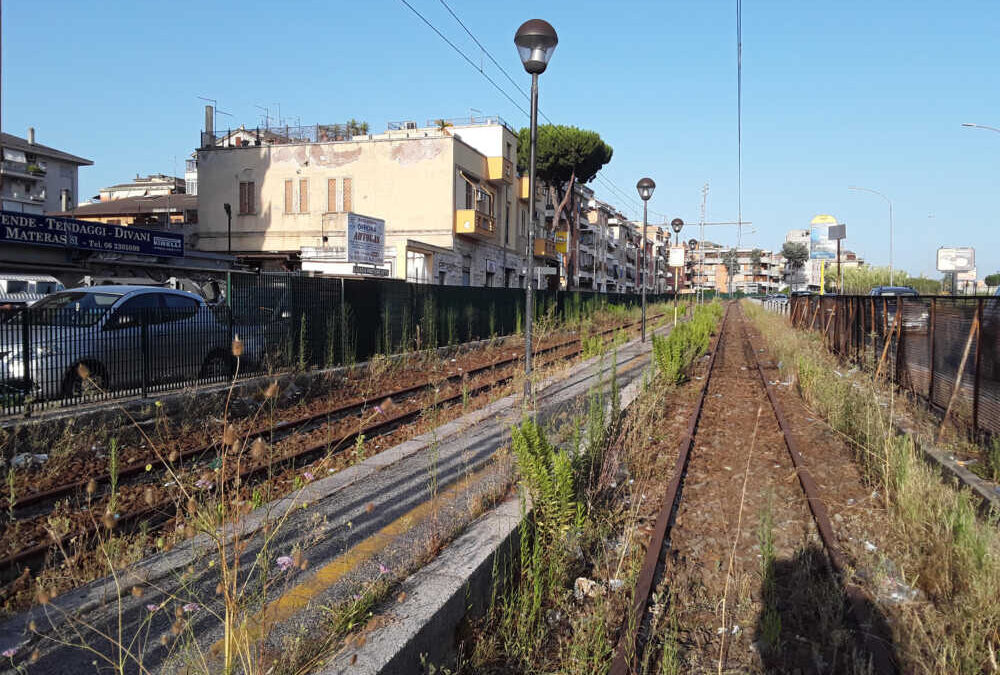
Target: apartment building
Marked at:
709, 269
36, 178
144, 186
455, 211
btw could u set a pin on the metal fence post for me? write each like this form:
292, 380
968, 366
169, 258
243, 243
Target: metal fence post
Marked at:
978, 373
930, 348
26, 347
144, 348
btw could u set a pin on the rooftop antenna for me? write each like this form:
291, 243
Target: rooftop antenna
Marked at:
267, 115
215, 112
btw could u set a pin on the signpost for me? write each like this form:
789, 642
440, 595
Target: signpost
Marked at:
28, 228
955, 259
365, 239
838, 232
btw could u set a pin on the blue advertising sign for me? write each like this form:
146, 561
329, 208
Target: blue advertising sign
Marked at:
28, 228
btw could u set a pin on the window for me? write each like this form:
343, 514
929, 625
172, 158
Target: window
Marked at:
289, 197
303, 195
348, 196
134, 310
179, 307
466, 270
331, 195
489, 279
506, 225
248, 198
469, 195
441, 276
523, 227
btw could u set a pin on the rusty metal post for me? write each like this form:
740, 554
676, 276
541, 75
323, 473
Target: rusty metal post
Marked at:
978, 373
930, 348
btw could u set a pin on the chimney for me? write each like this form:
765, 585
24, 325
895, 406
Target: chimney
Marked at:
31, 135
208, 138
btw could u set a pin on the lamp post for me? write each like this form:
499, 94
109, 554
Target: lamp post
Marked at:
676, 224
980, 126
889, 202
645, 186
536, 40
229, 227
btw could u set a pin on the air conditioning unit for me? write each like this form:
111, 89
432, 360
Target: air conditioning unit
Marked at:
409, 125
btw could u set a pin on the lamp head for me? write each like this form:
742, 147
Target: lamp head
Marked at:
645, 186
228, 208
536, 40
677, 224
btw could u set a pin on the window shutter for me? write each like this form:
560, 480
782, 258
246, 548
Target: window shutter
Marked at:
251, 197
243, 198
348, 201
331, 195
288, 196
303, 195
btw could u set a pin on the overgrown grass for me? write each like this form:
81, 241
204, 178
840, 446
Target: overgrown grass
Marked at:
675, 352
934, 536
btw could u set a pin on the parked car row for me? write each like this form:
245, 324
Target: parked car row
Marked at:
124, 337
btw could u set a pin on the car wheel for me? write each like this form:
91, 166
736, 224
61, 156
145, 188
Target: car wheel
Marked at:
83, 379
217, 365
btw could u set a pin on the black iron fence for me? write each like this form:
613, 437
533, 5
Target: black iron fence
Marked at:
946, 350
75, 346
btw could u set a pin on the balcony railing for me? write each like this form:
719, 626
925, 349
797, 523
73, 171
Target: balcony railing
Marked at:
476, 224
22, 169
545, 248
500, 169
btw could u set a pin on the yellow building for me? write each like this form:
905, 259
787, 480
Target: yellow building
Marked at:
455, 211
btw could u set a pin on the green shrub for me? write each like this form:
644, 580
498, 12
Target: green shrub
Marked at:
675, 352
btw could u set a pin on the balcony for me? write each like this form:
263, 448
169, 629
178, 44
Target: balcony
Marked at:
500, 169
23, 169
545, 248
475, 224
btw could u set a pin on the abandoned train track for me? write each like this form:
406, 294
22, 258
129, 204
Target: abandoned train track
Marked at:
629, 650
154, 514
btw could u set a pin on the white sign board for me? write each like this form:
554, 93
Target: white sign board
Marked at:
676, 256
967, 276
956, 259
365, 239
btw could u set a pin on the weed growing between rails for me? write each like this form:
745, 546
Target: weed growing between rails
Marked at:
674, 353
933, 535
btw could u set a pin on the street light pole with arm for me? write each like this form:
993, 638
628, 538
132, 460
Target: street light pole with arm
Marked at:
889, 202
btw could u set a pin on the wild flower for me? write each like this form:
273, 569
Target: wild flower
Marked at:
10, 653
153, 607
308, 476
285, 562
382, 569
191, 607
204, 484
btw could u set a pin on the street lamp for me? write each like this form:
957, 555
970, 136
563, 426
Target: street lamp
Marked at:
980, 126
889, 202
229, 227
536, 40
676, 224
645, 186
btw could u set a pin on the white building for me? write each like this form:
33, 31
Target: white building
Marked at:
36, 178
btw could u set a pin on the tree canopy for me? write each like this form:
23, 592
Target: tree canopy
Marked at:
992, 279
796, 254
860, 280
563, 153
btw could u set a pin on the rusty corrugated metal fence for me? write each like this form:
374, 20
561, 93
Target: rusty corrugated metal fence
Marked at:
943, 349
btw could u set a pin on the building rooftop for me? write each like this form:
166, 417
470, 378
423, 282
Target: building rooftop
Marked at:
130, 206
11, 141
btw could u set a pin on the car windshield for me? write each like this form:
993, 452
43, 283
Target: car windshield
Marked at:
72, 308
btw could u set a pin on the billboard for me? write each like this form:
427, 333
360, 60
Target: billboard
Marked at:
28, 228
956, 259
365, 239
821, 245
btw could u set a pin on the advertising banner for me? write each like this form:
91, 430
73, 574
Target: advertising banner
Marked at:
562, 241
821, 246
28, 228
956, 259
365, 239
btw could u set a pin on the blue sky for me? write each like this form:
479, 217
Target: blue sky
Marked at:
852, 92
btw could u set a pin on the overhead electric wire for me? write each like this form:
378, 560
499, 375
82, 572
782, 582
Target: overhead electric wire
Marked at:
621, 194
464, 56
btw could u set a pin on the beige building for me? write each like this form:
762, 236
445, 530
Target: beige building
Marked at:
455, 211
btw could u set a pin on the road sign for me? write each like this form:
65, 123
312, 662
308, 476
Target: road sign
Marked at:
676, 256
837, 232
956, 258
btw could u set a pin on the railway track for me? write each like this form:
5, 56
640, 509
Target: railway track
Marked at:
629, 651
152, 515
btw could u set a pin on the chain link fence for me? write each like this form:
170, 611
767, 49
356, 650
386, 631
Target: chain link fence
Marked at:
943, 349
